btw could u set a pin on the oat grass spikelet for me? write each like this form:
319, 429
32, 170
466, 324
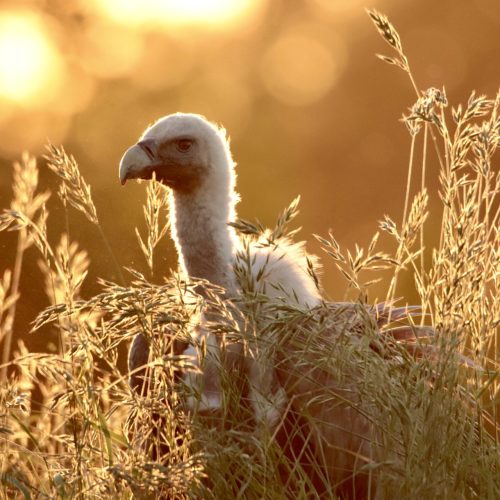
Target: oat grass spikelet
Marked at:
74, 188
28, 204
156, 204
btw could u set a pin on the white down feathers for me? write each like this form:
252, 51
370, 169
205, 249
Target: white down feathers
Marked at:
208, 248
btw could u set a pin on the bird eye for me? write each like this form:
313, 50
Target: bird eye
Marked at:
184, 145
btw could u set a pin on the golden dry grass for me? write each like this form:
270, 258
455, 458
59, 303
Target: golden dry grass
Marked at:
71, 426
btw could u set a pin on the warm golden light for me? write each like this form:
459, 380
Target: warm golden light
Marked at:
298, 70
206, 11
343, 8
109, 50
29, 62
172, 12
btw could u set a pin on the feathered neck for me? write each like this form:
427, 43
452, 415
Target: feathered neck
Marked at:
206, 244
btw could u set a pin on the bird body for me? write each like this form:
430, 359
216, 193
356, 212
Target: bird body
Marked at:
192, 156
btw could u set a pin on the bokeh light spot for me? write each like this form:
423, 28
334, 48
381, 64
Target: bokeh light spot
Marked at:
177, 60
206, 11
110, 51
220, 96
29, 62
298, 70
343, 8
172, 12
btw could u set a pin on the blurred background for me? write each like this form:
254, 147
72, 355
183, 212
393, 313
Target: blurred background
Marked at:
308, 107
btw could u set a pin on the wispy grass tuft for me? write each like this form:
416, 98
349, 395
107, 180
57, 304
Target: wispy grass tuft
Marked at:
420, 384
156, 203
73, 187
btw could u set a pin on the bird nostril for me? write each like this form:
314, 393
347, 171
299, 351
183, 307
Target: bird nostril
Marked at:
146, 147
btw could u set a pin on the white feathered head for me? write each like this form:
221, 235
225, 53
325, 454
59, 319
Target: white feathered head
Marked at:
185, 152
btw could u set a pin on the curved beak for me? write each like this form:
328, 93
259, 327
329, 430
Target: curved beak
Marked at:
135, 164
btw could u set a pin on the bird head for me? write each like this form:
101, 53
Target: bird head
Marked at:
183, 151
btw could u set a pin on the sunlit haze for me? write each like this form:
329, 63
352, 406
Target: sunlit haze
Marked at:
171, 12
308, 107
29, 62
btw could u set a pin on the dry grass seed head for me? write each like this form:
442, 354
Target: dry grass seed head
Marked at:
75, 190
156, 203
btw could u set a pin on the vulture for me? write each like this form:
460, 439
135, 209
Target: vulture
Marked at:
191, 156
